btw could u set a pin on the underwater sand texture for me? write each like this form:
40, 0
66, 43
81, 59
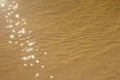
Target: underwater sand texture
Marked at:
82, 38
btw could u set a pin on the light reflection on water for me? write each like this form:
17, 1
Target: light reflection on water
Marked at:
18, 37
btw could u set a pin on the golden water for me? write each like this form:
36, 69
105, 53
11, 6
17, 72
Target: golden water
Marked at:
82, 38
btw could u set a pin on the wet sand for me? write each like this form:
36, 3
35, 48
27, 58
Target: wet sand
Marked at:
82, 38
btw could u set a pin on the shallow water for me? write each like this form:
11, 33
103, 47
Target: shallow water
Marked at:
74, 40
